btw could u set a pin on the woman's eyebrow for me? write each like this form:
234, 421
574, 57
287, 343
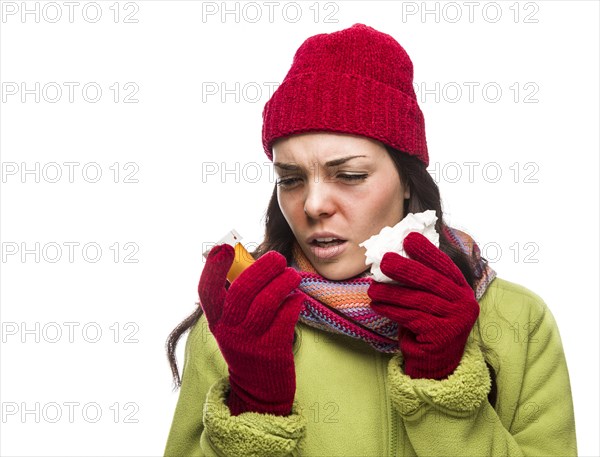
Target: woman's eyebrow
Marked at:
329, 164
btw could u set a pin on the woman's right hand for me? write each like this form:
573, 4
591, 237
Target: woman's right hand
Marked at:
253, 323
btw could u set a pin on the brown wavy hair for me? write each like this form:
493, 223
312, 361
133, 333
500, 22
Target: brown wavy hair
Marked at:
424, 195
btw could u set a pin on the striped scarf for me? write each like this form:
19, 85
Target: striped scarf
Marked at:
344, 307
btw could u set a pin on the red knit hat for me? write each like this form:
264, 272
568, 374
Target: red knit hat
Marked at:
357, 81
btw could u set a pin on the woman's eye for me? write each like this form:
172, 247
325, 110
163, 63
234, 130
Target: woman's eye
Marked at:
286, 182
289, 182
348, 177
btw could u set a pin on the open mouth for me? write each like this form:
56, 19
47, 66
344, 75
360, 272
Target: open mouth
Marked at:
327, 244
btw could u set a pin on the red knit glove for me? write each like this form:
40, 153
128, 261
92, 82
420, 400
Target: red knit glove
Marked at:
253, 322
433, 305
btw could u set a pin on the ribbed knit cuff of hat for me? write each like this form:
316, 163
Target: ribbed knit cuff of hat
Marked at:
345, 103
460, 394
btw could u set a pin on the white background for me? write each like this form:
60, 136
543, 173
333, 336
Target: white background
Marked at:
178, 131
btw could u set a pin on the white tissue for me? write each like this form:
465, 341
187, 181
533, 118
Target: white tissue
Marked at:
390, 239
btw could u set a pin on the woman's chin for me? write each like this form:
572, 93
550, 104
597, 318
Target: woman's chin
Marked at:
339, 272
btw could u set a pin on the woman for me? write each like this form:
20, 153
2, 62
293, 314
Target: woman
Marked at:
305, 354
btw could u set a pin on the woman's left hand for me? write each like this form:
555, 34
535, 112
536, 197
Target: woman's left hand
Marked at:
433, 305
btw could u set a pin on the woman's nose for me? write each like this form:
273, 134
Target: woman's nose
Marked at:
319, 201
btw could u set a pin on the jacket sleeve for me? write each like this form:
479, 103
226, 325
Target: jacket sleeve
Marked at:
453, 417
202, 424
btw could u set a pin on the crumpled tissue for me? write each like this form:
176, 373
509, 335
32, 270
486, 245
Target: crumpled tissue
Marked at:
390, 239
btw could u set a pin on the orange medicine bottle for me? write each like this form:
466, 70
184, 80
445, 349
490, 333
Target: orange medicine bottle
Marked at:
242, 259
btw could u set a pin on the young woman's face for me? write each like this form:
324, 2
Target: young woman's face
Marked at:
340, 184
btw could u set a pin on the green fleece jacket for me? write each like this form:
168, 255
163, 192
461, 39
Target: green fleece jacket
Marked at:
354, 401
